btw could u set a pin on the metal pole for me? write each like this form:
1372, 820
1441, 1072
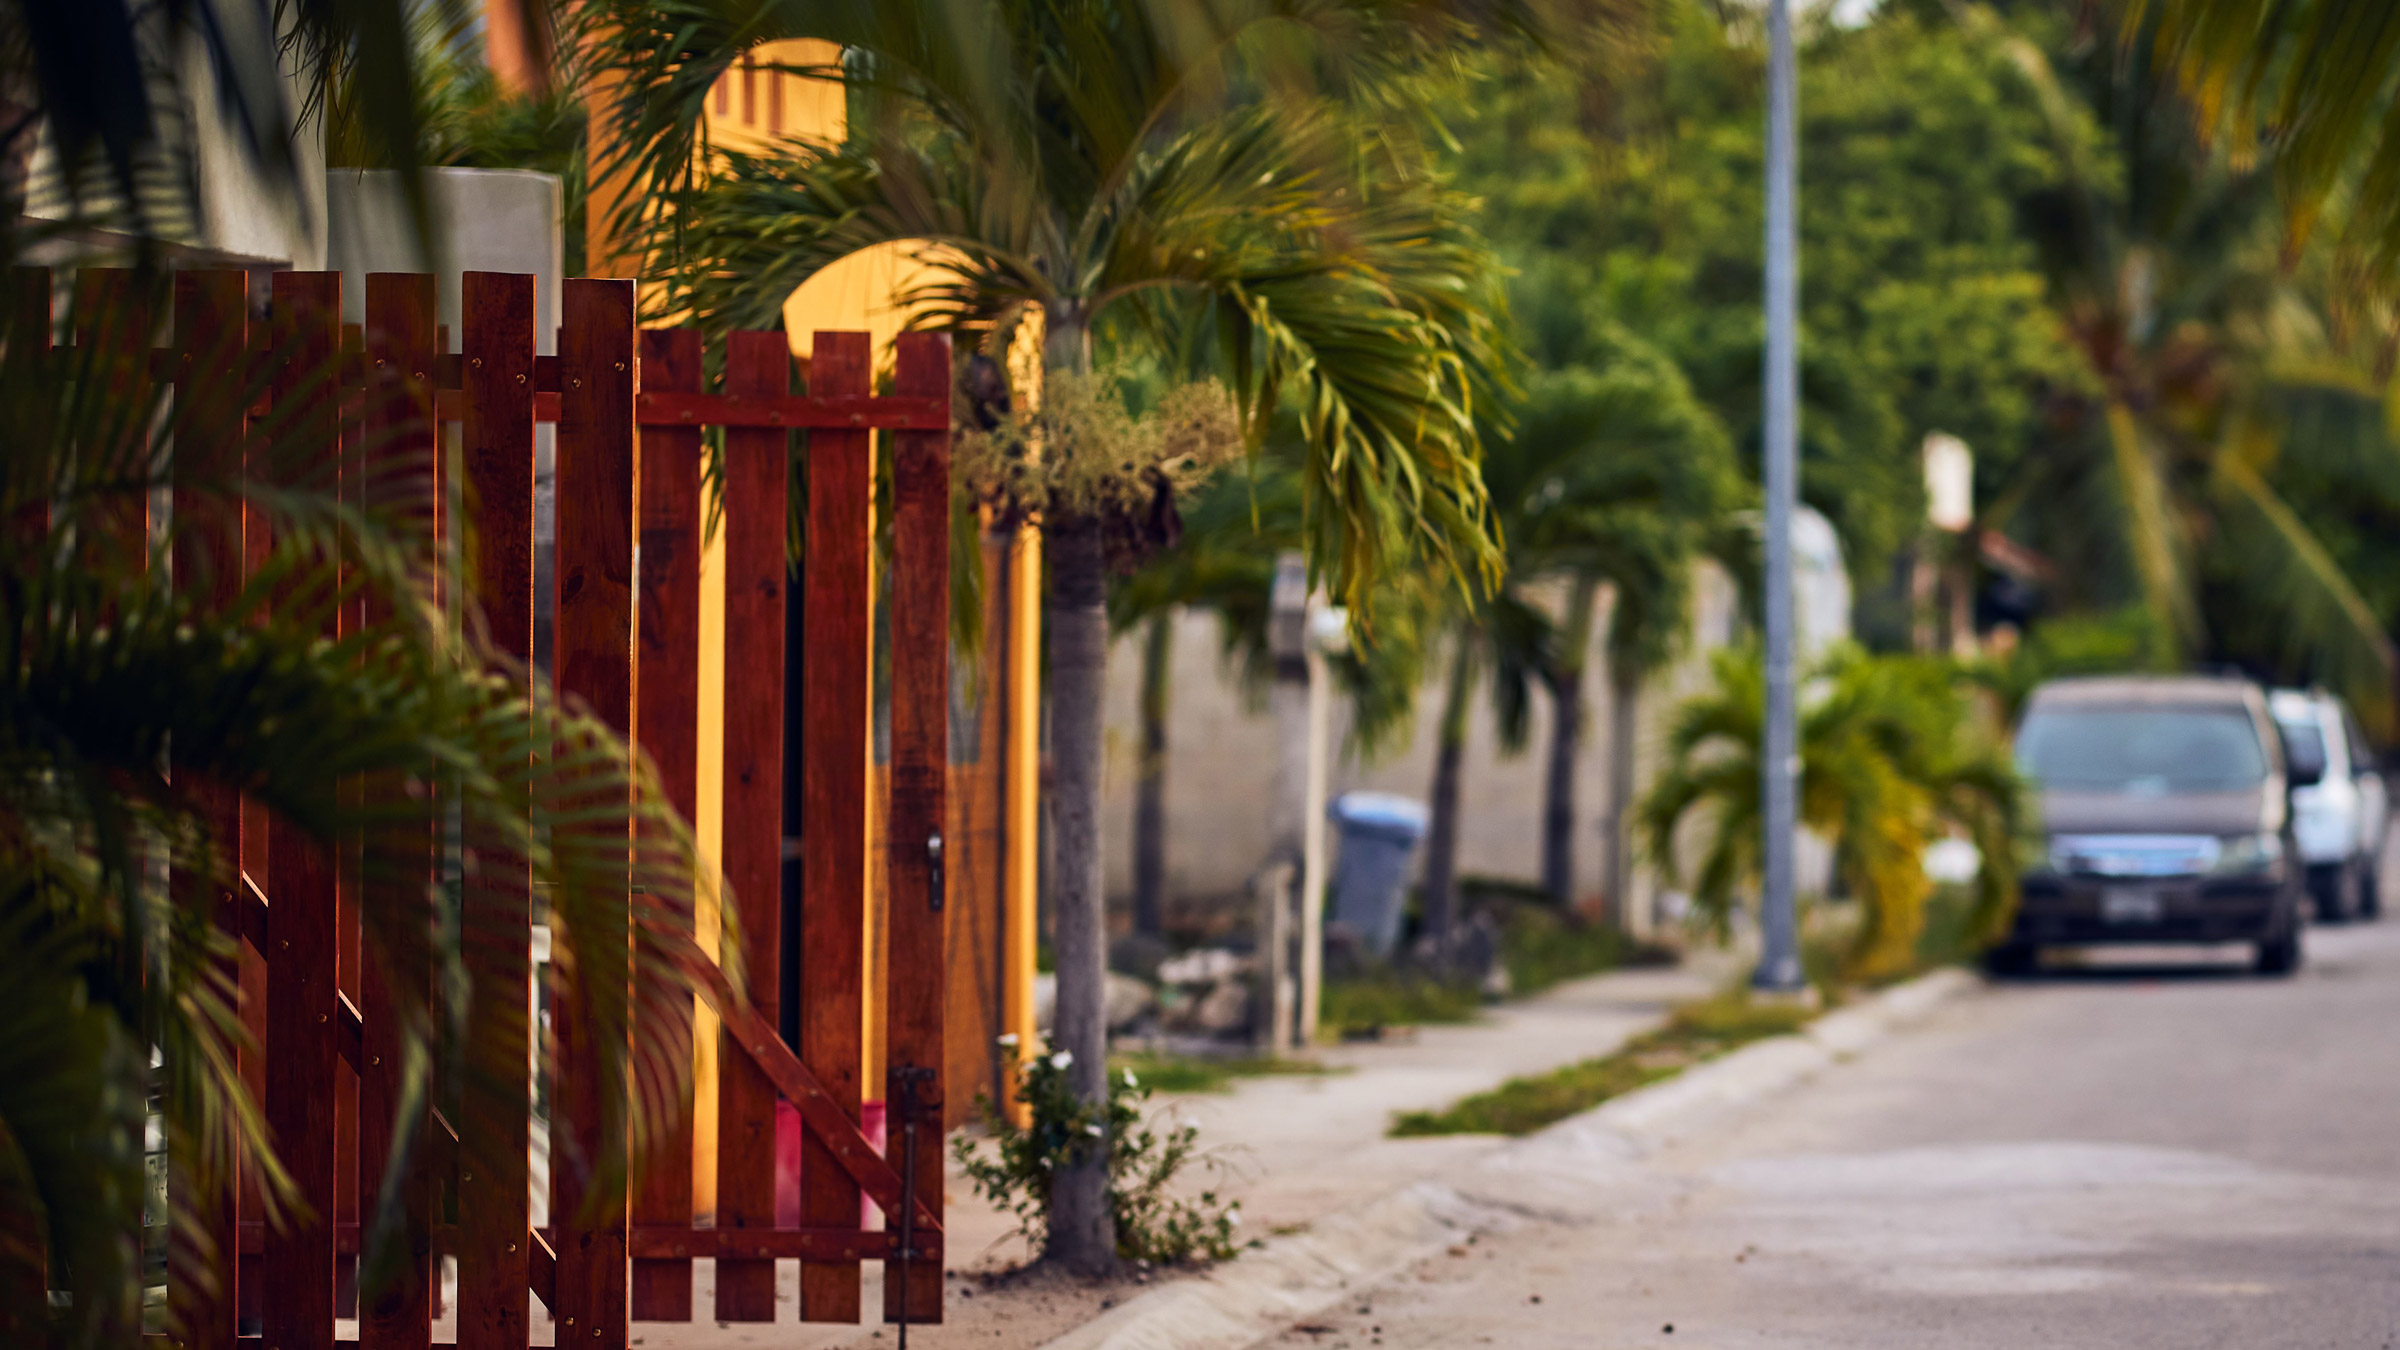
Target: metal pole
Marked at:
1779, 958
1328, 634
1280, 894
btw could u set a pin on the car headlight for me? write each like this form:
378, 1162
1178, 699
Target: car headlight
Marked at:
2248, 854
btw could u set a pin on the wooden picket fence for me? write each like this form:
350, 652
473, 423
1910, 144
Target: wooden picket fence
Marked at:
630, 408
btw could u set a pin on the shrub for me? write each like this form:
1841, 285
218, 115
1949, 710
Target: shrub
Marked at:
1154, 1224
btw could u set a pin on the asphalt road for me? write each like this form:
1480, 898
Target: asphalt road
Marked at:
2156, 1150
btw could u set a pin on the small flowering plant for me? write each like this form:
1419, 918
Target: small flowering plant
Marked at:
1155, 1225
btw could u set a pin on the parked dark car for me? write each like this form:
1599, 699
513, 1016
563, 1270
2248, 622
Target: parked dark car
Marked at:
2167, 819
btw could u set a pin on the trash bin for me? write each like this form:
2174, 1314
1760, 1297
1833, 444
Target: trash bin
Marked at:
1380, 832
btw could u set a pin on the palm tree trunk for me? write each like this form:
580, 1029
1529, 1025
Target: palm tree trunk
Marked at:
1082, 1234
1566, 744
1440, 888
1082, 1228
1624, 689
1150, 784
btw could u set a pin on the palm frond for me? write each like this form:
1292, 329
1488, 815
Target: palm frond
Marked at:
2308, 86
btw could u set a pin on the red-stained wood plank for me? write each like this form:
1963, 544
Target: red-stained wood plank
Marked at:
497, 319
667, 722
914, 846
301, 1064
396, 1301
836, 651
258, 831
686, 1242
973, 848
348, 940
598, 507
757, 484
780, 411
807, 1244
211, 316
826, 1118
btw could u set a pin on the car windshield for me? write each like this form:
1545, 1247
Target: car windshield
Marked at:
2141, 750
2303, 747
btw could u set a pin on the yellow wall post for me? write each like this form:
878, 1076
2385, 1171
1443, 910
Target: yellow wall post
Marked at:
709, 824
1021, 854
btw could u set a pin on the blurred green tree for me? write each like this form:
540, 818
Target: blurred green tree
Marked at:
2216, 375
1634, 196
1614, 477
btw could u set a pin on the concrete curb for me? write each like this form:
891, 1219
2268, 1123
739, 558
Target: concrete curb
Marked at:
1562, 1171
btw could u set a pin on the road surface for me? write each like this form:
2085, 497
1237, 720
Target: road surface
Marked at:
2159, 1150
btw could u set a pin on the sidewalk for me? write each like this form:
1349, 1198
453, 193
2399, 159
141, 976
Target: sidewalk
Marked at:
1293, 1149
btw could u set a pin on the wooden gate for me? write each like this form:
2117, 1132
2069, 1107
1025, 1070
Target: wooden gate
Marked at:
631, 411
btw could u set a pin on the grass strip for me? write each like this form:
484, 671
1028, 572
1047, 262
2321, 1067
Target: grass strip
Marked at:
1179, 1074
1695, 1032
1367, 1003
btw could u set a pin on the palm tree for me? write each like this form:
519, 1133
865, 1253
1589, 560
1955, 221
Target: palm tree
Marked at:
1233, 530
1174, 165
1891, 751
1615, 476
2200, 352
1224, 562
1655, 490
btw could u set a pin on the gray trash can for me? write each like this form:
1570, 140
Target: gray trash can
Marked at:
1380, 833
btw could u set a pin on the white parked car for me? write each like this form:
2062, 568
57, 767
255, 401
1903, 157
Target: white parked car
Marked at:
2340, 809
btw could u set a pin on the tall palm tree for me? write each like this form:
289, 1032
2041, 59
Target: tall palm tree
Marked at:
1615, 476
1891, 751
1654, 490
1180, 165
2200, 353
1234, 529
1223, 563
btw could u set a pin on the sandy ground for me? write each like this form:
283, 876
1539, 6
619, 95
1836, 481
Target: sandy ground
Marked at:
1291, 1149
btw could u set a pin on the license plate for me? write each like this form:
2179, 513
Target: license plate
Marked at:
2130, 904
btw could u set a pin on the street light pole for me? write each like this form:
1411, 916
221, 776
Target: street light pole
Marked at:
1779, 958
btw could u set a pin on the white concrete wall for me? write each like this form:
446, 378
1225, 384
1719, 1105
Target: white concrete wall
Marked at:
484, 220
1221, 763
